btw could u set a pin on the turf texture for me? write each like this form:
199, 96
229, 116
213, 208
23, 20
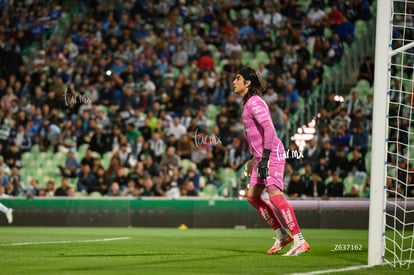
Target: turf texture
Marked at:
116, 250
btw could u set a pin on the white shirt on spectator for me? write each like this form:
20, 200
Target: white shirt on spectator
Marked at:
316, 14
177, 129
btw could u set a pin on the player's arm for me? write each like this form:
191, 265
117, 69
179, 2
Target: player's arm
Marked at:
262, 116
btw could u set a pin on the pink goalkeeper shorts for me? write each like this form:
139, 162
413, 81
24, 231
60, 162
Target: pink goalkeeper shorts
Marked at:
275, 179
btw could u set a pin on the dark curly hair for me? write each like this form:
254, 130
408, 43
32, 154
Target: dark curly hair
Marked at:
257, 83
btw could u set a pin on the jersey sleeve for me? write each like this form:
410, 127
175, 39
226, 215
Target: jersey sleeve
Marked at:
261, 114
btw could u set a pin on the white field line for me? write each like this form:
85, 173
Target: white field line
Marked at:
357, 267
351, 268
58, 242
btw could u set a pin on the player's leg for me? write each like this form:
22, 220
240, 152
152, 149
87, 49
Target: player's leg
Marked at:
274, 187
254, 197
7, 211
287, 212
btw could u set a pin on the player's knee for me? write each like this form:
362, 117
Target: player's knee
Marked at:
253, 200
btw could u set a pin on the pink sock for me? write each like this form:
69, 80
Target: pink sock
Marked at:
287, 212
266, 211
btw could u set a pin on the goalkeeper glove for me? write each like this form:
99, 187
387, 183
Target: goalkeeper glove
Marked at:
263, 166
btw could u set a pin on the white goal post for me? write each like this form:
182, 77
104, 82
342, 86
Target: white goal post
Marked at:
391, 213
379, 133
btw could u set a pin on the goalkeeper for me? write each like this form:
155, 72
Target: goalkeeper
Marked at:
266, 168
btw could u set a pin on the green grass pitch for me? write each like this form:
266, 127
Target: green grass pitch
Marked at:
115, 250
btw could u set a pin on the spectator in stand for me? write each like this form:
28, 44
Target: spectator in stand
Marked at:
340, 138
293, 98
356, 164
327, 152
337, 46
177, 129
33, 189
296, 187
7, 98
101, 182
121, 178
150, 166
15, 185
306, 175
315, 14
114, 190
63, 189
50, 189
235, 156
88, 158
342, 119
103, 42
21, 139
49, 135
13, 156
366, 70
317, 188
334, 17
71, 166
170, 158
304, 83
332, 106
147, 188
311, 152
335, 188
340, 162
353, 104
185, 147
99, 141
191, 185
359, 140
86, 179
345, 31
124, 155
188, 189
362, 10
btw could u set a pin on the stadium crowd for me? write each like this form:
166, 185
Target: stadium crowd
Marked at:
137, 95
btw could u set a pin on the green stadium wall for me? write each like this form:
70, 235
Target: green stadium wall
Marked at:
194, 213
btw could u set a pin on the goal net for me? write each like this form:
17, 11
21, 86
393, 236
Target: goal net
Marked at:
392, 180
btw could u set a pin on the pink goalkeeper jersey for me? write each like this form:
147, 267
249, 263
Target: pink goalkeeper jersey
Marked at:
256, 118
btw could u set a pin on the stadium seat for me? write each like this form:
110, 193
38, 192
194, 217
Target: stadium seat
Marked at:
41, 158
245, 13
35, 148
106, 159
364, 87
79, 194
348, 182
304, 4
81, 151
27, 159
212, 111
262, 56
246, 55
210, 190
187, 28
328, 180
233, 15
38, 174
361, 29
59, 157
228, 179
185, 163
95, 195
368, 161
